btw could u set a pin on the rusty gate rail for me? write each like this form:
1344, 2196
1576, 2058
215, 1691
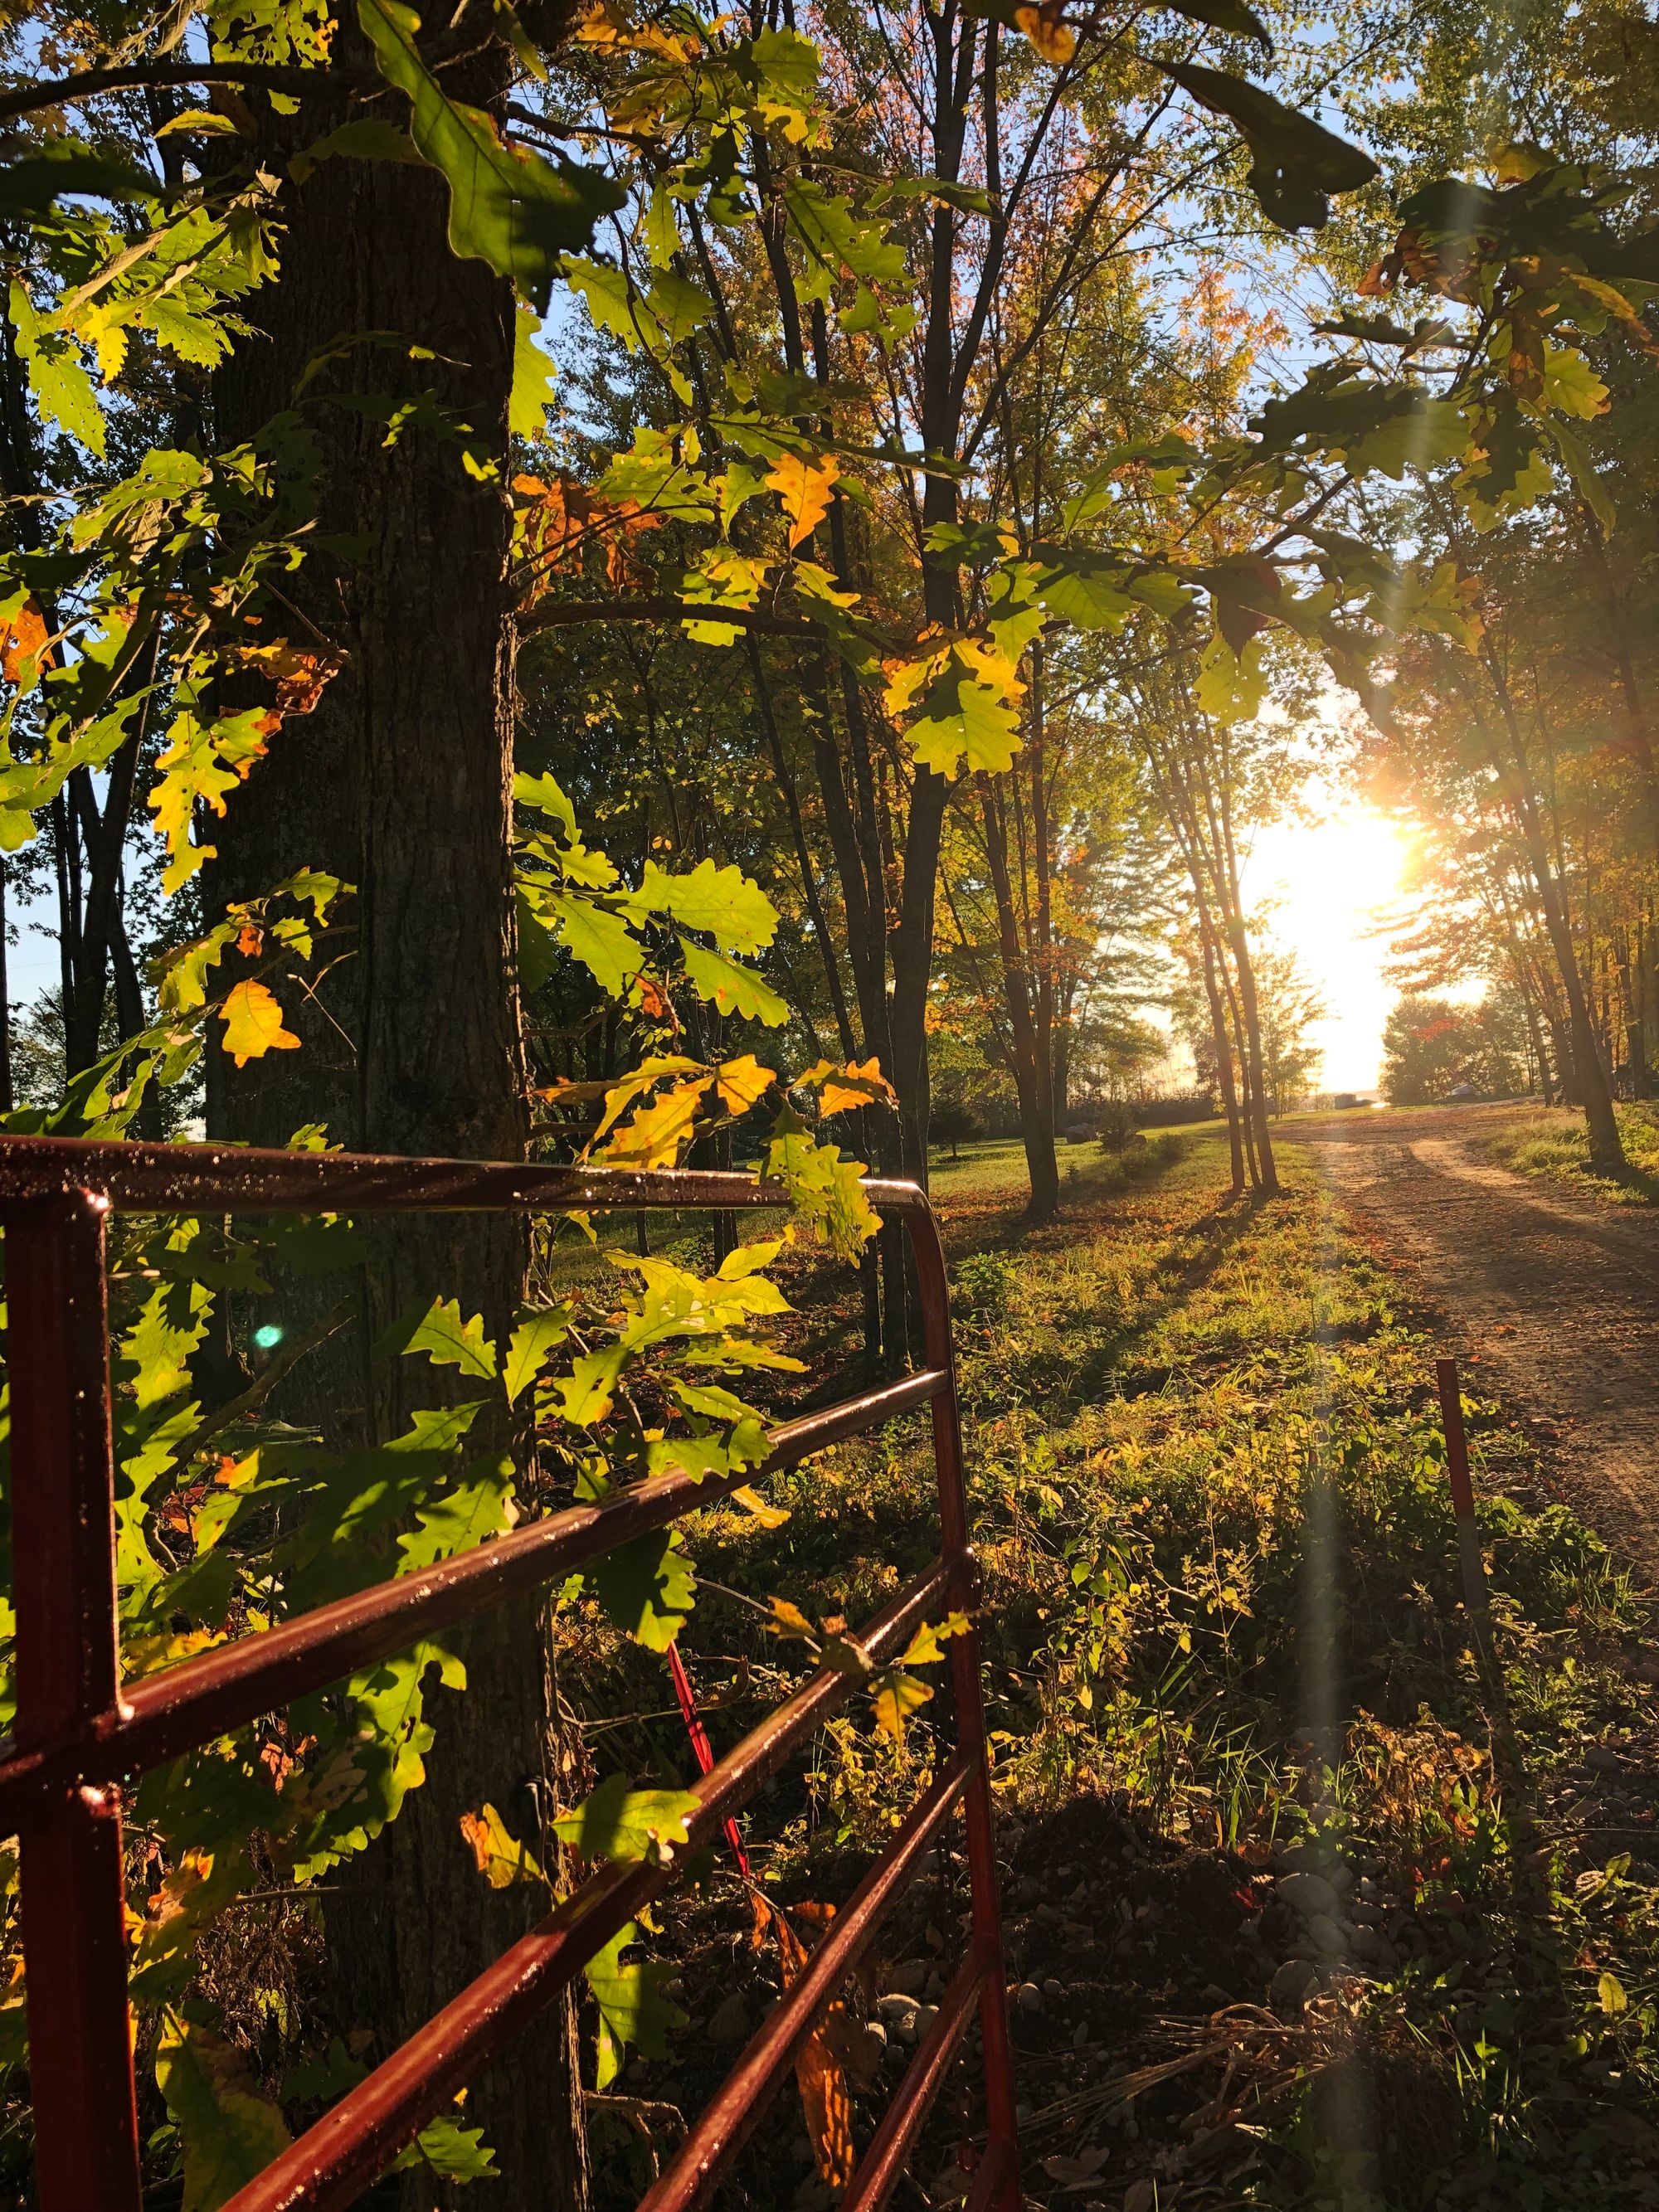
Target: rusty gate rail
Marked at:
78, 1736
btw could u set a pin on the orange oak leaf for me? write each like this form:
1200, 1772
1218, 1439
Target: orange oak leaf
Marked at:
806, 488
22, 637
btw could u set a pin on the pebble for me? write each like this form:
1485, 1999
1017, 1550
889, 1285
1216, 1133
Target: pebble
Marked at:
729, 2020
1367, 1890
909, 1978
1372, 1948
1029, 1998
1328, 1934
1054, 1992
923, 2018
1365, 1915
1289, 1989
1309, 1893
1603, 1757
896, 2010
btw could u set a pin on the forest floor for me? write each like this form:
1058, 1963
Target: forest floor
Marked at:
1302, 1909
1551, 1293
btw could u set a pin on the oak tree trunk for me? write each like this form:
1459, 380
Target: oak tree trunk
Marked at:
399, 782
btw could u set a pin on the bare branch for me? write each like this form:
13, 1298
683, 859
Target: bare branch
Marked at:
85, 84
561, 614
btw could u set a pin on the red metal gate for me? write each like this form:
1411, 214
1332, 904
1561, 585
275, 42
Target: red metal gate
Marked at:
79, 1736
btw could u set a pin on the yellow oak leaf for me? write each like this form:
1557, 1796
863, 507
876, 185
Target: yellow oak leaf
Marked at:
1048, 32
742, 1081
654, 1137
497, 1855
840, 1090
789, 1620
253, 1025
895, 1697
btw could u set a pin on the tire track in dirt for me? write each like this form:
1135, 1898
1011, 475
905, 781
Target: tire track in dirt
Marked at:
1556, 1296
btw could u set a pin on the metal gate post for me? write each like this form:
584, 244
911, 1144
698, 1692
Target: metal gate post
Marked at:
74, 1892
998, 2179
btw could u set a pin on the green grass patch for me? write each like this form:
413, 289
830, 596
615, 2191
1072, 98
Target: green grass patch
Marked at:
1553, 1144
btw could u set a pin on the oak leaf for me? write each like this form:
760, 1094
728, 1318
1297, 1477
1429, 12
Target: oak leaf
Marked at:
22, 635
498, 1854
231, 2130
253, 1025
655, 1135
895, 1697
741, 1081
299, 671
1048, 31
806, 488
859, 1084
633, 1827
826, 2099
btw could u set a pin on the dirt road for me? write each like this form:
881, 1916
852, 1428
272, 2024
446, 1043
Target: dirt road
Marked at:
1558, 1295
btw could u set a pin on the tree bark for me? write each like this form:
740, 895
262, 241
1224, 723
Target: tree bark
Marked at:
1036, 1110
1224, 1055
399, 781
6, 1098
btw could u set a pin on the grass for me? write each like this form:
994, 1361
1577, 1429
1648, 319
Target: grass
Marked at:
1553, 1144
1221, 1607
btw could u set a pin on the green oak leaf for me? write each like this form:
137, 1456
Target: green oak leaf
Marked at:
534, 1337
732, 908
508, 206
732, 987
633, 2010
648, 1587
629, 1824
231, 2130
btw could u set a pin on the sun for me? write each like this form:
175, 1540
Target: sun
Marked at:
1334, 885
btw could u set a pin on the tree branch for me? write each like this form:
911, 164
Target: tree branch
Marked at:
561, 614
58, 92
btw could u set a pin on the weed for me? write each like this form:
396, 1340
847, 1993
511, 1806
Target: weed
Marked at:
985, 1284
